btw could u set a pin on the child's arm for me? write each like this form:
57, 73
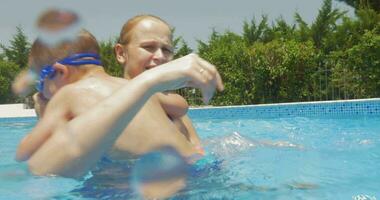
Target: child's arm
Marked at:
74, 147
174, 105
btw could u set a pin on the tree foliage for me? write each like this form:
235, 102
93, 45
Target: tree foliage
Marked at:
12, 60
181, 48
108, 58
361, 66
18, 49
8, 70
364, 4
335, 57
230, 54
325, 24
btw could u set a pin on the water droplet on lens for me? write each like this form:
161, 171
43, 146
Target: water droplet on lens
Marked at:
159, 174
56, 26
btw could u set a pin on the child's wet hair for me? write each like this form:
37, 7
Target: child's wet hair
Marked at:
42, 54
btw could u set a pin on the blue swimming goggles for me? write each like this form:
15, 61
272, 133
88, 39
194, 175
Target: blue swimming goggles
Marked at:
76, 59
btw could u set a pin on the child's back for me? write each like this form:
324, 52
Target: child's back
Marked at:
150, 129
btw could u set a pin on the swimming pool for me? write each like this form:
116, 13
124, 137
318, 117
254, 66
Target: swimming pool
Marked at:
324, 150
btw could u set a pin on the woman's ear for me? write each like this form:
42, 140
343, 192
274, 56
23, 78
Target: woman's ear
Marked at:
62, 71
120, 53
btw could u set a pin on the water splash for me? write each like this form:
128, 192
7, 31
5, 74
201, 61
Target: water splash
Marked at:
230, 145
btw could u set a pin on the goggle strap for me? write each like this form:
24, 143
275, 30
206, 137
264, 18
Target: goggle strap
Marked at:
49, 71
79, 56
80, 62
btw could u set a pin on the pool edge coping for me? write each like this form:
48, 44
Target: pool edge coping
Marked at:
288, 104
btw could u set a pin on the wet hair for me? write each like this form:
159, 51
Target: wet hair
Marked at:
126, 31
42, 54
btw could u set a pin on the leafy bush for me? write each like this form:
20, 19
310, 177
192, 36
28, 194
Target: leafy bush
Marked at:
8, 70
358, 68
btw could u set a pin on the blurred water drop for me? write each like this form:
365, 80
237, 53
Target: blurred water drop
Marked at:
23, 81
56, 26
159, 174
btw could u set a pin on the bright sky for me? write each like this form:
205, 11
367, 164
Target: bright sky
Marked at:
193, 19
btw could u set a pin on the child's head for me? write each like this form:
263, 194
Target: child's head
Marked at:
42, 54
47, 61
145, 42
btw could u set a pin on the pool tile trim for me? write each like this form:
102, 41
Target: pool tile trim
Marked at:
343, 108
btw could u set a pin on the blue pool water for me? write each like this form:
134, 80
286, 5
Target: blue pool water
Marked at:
247, 158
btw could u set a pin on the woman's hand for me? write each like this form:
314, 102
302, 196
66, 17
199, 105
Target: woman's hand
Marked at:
188, 71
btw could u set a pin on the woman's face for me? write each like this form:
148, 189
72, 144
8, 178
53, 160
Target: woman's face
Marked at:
150, 45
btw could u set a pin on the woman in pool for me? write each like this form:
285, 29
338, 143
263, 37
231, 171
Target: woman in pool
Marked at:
145, 42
